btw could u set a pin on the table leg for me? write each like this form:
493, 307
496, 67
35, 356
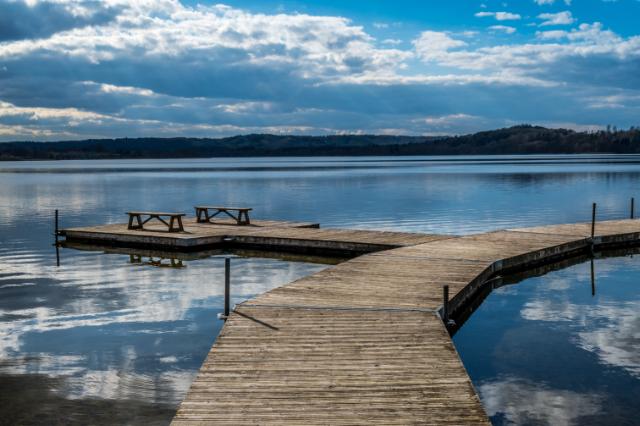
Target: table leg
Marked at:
243, 218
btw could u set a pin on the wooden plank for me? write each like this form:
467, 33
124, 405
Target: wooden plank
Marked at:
260, 233
302, 366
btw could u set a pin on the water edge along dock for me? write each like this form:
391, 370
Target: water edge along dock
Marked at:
363, 341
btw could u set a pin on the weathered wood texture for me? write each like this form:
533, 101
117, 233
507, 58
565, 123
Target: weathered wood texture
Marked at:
360, 343
304, 366
409, 277
259, 233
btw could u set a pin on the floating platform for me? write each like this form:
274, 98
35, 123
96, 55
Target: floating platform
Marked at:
362, 342
261, 234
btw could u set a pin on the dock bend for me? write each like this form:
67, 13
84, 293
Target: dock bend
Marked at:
363, 342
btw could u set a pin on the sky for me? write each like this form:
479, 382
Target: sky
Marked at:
72, 69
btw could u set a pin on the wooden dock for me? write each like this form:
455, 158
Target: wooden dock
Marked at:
261, 234
363, 342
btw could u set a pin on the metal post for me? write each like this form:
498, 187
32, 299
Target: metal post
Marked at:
227, 286
56, 233
632, 207
593, 279
445, 304
593, 220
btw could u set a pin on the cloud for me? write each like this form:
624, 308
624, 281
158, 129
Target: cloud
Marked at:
588, 41
164, 68
560, 18
432, 45
524, 402
503, 28
328, 45
612, 340
499, 16
36, 19
392, 41
545, 2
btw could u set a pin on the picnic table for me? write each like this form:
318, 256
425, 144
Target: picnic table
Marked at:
204, 215
174, 218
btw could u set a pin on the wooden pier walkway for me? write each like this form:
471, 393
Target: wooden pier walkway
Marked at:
275, 235
363, 342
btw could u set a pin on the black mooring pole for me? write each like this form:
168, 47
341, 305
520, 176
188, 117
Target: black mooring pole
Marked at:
56, 233
593, 279
633, 201
445, 304
593, 220
227, 286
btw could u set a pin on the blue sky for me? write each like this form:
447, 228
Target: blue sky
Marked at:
73, 69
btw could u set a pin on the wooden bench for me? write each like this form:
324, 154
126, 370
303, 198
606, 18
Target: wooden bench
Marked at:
203, 214
173, 218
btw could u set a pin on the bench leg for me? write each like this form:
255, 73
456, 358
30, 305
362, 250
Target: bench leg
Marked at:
171, 221
138, 224
199, 214
245, 220
172, 224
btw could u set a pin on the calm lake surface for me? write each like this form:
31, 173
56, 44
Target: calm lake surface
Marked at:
115, 339
557, 350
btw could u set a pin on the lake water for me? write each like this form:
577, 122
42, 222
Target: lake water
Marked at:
113, 337
559, 349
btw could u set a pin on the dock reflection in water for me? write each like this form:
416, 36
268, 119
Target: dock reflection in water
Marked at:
115, 338
557, 346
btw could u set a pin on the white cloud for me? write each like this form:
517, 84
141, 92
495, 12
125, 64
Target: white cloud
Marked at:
503, 28
168, 29
586, 41
560, 18
551, 35
523, 402
38, 113
549, 2
159, 67
432, 45
110, 88
392, 41
500, 16
612, 335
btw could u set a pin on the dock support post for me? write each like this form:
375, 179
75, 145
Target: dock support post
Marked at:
227, 290
593, 279
445, 304
593, 220
227, 286
632, 207
56, 233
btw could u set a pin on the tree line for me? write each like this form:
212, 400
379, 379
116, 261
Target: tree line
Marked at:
523, 139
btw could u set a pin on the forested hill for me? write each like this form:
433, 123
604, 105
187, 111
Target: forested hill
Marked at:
515, 140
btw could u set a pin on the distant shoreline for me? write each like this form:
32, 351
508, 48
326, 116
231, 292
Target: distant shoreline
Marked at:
518, 140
